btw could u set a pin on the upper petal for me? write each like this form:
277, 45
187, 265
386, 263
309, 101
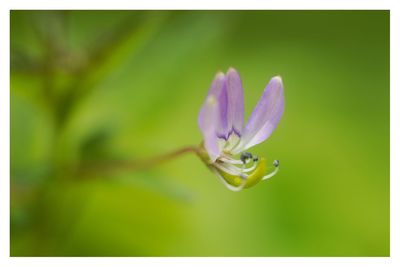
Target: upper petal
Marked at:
223, 127
210, 117
235, 102
265, 116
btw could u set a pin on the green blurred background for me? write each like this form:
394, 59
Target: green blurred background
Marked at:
103, 86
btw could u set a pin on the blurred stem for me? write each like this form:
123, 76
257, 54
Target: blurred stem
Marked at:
83, 73
137, 165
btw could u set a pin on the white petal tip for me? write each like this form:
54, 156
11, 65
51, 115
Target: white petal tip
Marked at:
277, 78
220, 75
231, 69
211, 100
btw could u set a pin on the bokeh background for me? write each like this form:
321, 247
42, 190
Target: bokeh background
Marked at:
105, 86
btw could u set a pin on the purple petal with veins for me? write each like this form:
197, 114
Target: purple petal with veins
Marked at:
210, 116
223, 127
265, 116
235, 102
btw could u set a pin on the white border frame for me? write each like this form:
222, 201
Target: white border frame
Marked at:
7, 5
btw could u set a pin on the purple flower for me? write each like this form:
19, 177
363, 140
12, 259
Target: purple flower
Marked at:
226, 138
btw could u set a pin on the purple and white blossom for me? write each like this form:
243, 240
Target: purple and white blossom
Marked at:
227, 139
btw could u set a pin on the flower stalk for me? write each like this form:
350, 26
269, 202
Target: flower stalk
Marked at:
138, 165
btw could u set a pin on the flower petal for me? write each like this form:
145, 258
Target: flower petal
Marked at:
223, 126
210, 117
235, 102
265, 116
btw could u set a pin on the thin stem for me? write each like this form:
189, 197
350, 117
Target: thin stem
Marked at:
136, 165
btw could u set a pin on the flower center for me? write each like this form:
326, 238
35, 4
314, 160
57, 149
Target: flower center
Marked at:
232, 142
244, 172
